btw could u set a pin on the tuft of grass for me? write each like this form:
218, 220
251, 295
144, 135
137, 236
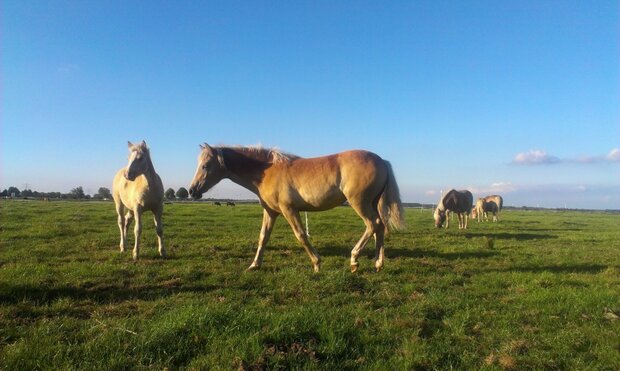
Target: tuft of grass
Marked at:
537, 290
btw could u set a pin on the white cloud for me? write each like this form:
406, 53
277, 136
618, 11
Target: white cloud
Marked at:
497, 187
540, 157
613, 155
535, 157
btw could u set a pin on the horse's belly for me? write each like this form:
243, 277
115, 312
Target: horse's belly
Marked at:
316, 201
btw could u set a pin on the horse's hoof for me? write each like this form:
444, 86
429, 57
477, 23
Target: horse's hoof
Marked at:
252, 268
378, 269
317, 268
354, 268
163, 254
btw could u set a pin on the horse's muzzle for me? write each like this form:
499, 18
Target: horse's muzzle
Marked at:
129, 176
194, 193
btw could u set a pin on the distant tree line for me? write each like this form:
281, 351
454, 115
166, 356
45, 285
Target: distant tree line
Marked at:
78, 193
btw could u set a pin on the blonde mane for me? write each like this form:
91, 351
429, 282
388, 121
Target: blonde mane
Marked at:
271, 155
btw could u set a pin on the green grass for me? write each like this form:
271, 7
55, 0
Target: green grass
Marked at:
530, 292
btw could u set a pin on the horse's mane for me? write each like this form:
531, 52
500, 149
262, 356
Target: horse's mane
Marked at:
258, 152
140, 149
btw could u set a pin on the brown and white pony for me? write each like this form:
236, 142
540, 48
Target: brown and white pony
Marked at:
286, 184
138, 188
488, 204
459, 202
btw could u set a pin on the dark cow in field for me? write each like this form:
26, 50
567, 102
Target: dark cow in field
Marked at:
489, 204
459, 202
230, 203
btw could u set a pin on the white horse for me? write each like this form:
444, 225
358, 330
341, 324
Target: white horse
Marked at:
137, 188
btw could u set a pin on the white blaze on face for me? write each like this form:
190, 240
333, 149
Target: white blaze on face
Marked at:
132, 158
199, 173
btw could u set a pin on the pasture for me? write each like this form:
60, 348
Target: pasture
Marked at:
538, 290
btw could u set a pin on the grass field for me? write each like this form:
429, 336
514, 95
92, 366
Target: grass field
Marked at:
540, 290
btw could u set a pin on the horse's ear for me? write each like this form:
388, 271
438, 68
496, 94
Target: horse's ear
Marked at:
207, 147
129, 144
143, 144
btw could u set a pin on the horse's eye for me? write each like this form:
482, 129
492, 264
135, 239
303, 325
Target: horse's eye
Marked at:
204, 167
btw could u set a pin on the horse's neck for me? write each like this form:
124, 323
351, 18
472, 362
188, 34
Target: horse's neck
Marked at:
243, 169
150, 173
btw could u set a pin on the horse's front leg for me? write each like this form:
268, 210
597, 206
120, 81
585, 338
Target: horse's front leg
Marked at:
128, 220
269, 220
137, 230
159, 228
121, 227
447, 219
292, 217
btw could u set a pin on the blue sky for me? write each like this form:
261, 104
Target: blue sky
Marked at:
520, 98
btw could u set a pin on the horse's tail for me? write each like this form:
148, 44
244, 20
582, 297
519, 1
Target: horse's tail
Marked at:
390, 207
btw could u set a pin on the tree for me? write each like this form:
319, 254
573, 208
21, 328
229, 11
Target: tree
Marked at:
77, 193
13, 192
4, 193
182, 193
169, 193
104, 193
26, 193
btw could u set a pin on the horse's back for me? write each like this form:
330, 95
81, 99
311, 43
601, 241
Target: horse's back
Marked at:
498, 200
458, 201
320, 183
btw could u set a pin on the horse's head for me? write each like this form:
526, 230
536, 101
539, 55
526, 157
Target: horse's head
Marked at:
138, 160
210, 171
440, 217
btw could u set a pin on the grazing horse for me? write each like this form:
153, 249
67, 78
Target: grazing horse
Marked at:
459, 202
286, 184
488, 204
230, 203
137, 188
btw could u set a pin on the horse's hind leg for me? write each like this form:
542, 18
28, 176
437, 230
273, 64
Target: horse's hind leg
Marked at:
128, 220
269, 219
359, 246
292, 217
373, 224
380, 247
159, 228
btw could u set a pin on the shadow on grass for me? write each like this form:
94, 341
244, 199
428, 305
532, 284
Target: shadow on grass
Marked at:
402, 252
511, 236
104, 294
574, 268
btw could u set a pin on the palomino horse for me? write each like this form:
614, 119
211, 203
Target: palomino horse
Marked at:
137, 188
287, 184
488, 204
454, 201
